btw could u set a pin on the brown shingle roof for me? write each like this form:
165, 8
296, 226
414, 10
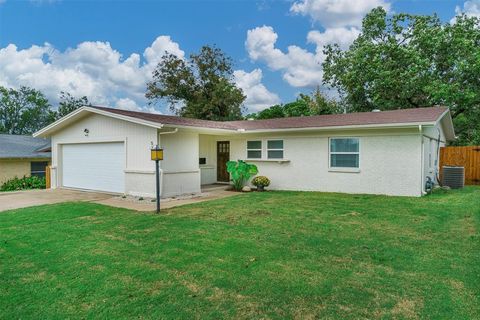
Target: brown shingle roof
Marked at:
419, 115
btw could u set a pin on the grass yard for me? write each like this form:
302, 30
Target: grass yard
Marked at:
260, 255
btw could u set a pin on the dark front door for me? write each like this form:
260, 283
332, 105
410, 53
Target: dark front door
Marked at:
223, 155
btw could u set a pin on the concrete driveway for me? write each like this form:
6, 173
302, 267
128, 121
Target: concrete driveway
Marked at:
29, 198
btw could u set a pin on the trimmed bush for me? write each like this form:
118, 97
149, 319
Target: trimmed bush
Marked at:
260, 182
24, 183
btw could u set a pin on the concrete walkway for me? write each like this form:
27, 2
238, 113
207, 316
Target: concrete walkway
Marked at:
29, 198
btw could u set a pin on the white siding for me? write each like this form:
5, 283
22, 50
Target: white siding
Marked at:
180, 169
390, 162
390, 159
431, 152
139, 169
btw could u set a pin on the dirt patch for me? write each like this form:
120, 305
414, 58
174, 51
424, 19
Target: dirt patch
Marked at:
407, 308
98, 268
260, 213
156, 287
352, 214
35, 277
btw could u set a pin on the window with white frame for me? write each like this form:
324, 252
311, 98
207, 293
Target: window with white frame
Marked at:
254, 149
275, 149
344, 153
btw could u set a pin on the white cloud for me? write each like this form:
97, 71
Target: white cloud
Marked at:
337, 13
96, 70
341, 36
300, 67
470, 8
130, 105
258, 96
92, 69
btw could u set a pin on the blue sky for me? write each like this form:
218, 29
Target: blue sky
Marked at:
99, 48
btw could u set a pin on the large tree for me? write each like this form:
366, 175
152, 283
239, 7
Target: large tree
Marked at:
69, 103
201, 87
305, 105
412, 61
23, 111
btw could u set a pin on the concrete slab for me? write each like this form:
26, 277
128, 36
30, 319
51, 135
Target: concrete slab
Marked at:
149, 205
29, 198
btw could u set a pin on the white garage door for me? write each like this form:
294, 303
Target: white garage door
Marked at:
94, 166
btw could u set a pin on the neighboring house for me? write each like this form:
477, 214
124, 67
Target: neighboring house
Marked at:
389, 152
23, 156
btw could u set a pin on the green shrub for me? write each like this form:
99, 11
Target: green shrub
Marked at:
240, 171
24, 183
261, 181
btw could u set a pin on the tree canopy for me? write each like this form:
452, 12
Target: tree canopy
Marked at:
23, 111
305, 105
26, 110
69, 103
201, 87
411, 61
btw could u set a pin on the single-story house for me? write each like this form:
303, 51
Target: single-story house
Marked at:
387, 152
23, 156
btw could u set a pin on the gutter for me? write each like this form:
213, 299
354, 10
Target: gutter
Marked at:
158, 143
351, 127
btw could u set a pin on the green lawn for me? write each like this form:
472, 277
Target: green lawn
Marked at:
260, 255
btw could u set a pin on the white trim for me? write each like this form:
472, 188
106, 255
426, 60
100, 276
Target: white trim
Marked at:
352, 127
268, 160
93, 140
344, 170
403, 125
181, 171
451, 129
52, 127
139, 171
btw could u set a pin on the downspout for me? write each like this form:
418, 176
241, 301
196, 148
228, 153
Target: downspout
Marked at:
422, 167
437, 155
158, 143
437, 158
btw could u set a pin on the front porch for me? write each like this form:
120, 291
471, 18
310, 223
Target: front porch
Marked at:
214, 153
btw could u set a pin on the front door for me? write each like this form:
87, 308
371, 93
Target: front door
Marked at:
223, 155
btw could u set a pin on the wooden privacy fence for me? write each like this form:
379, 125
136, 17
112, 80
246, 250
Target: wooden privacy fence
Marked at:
468, 157
48, 178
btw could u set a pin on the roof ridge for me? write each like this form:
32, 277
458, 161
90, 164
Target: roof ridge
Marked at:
271, 119
389, 117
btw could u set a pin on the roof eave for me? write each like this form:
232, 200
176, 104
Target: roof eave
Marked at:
446, 121
350, 127
59, 124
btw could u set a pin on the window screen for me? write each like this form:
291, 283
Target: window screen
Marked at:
275, 149
254, 149
38, 168
344, 153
